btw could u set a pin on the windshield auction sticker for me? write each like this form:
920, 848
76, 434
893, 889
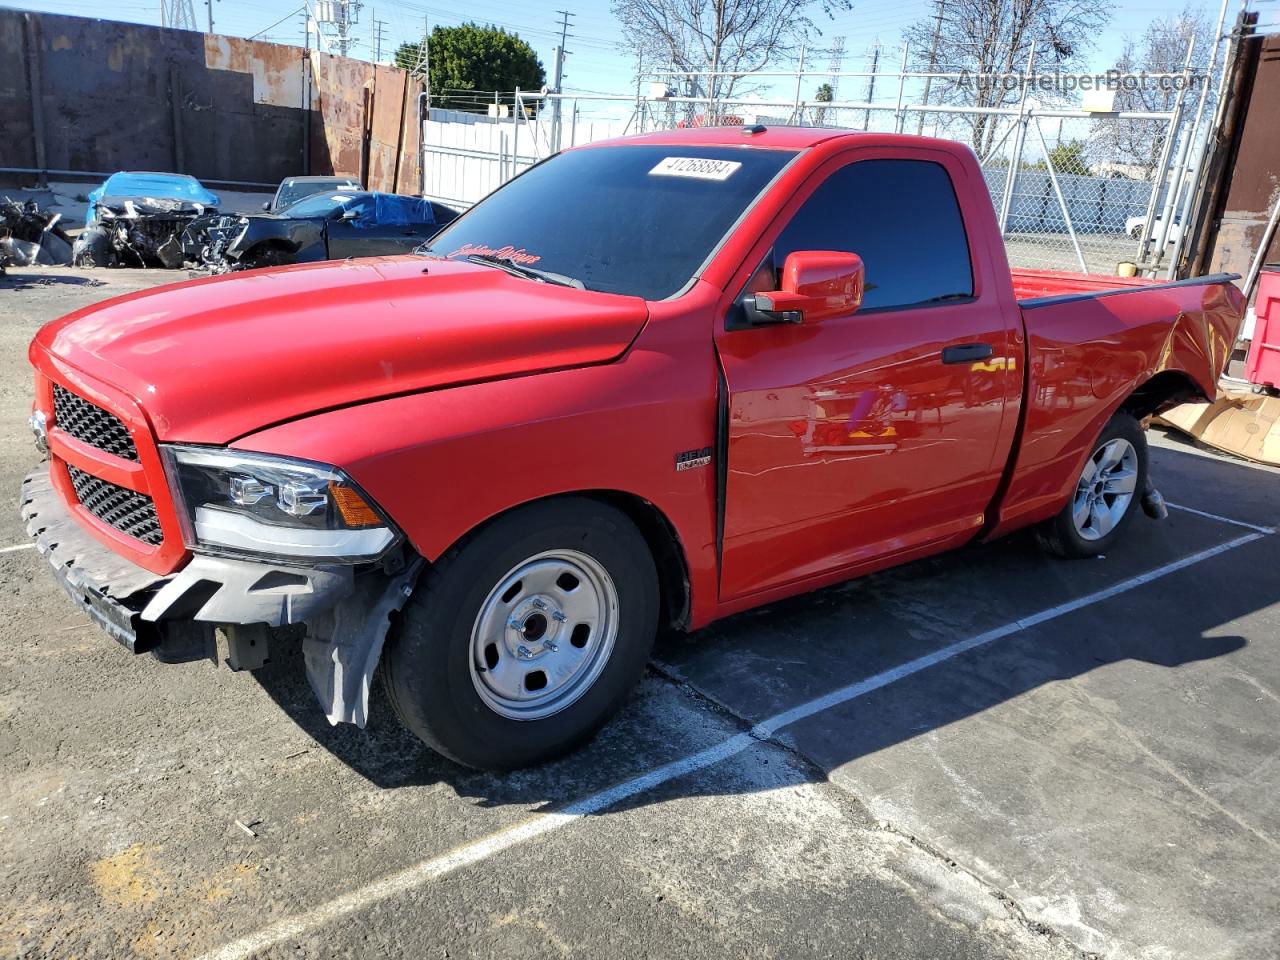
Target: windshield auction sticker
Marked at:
696, 168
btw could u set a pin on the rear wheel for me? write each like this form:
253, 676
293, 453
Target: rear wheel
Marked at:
1106, 493
520, 643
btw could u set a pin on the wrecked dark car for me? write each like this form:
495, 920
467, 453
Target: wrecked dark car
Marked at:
30, 234
324, 226
293, 189
138, 219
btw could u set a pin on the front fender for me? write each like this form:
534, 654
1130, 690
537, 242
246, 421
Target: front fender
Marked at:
440, 463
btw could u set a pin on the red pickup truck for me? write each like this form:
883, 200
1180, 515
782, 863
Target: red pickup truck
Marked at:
650, 382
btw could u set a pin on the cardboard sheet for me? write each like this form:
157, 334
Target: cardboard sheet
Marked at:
1244, 424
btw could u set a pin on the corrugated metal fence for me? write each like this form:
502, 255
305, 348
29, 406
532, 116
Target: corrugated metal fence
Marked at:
94, 96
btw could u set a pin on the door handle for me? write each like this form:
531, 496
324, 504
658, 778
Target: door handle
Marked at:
966, 353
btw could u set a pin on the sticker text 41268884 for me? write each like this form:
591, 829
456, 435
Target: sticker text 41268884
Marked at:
696, 168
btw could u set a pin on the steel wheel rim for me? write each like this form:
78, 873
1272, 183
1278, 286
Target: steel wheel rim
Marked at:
543, 635
1105, 489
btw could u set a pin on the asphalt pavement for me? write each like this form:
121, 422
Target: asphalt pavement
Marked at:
987, 754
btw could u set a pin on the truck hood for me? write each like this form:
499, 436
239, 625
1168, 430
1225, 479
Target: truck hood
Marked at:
213, 359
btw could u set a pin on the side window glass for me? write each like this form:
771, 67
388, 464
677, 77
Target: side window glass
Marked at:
395, 211
902, 218
364, 209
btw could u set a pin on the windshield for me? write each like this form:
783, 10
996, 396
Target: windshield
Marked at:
320, 204
291, 191
636, 220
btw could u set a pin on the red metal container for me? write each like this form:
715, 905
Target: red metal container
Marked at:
1263, 365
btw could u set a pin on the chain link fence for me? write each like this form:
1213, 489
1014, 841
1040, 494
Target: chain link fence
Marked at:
1065, 184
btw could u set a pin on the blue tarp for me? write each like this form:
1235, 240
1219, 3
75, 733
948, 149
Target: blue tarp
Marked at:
397, 211
161, 186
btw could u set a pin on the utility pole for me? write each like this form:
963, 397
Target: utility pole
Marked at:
836, 65
939, 7
177, 14
559, 78
419, 69
871, 86
209, 7
342, 15
379, 28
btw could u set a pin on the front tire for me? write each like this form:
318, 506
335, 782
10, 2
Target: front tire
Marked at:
266, 256
521, 642
1106, 495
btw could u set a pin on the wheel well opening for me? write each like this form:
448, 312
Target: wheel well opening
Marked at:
1164, 390
676, 593
668, 555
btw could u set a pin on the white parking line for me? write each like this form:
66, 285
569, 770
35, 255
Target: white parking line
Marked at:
16, 547
471, 853
1219, 518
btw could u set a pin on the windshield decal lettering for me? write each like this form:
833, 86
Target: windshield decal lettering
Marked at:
696, 168
513, 254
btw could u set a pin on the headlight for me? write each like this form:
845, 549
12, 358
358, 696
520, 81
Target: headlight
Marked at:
232, 501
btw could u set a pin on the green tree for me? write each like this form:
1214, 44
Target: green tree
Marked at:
1066, 158
824, 94
474, 58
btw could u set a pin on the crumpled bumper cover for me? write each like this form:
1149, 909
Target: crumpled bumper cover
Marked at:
347, 616
208, 589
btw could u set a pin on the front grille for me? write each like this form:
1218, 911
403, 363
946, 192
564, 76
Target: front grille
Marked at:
128, 511
90, 424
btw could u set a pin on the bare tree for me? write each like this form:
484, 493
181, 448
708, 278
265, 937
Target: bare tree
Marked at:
731, 36
990, 39
1161, 50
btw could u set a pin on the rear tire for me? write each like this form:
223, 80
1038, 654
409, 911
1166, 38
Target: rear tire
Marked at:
521, 642
1106, 495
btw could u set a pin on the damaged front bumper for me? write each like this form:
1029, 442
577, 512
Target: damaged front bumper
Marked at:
180, 617
138, 231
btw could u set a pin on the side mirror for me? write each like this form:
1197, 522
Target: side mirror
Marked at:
349, 214
816, 285
266, 205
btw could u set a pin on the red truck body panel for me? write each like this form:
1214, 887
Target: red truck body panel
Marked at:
291, 341
1088, 354
1028, 283
837, 447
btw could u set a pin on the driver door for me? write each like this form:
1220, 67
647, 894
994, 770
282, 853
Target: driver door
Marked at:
866, 436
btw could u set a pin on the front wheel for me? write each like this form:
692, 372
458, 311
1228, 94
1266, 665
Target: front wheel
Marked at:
267, 256
520, 643
1105, 496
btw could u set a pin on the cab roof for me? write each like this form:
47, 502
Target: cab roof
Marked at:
784, 137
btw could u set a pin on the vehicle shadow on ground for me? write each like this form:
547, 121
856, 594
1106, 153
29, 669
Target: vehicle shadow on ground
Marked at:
757, 664
26, 281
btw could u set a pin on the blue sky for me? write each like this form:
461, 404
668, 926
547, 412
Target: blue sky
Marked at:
594, 63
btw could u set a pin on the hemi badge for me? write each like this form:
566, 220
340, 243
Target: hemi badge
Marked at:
693, 458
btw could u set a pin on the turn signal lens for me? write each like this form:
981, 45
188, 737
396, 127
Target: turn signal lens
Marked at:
355, 510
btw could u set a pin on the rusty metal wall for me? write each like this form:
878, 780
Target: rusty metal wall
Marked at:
115, 96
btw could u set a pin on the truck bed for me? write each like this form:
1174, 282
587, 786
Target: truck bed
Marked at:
1091, 343
1032, 284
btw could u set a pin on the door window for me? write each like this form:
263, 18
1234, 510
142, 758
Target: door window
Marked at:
901, 217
